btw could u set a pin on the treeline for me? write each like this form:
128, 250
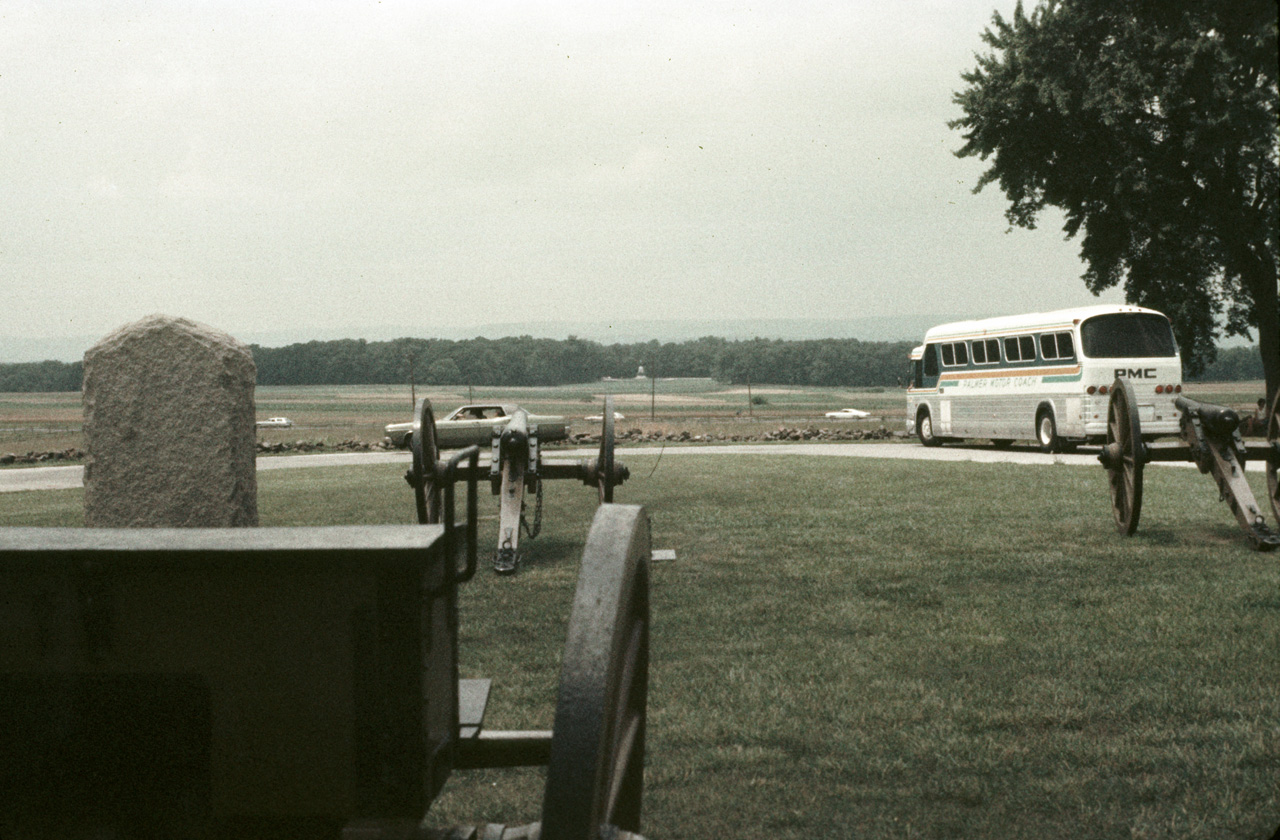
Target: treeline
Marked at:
538, 361
544, 361
30, 377
1233, 364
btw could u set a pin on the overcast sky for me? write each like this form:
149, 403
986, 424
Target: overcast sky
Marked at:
351, 165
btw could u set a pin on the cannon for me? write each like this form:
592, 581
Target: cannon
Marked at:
1210, 437
515, 467
299, 682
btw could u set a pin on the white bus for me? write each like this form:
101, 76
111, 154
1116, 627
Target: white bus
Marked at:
1043, 376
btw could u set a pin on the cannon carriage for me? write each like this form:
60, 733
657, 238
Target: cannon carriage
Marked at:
299, 682
515, 467
1211, 439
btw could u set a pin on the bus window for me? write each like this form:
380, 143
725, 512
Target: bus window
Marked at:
986, 352
1127, 335
1020, 348
930, 361
1066, 346
1056, 346
955, 355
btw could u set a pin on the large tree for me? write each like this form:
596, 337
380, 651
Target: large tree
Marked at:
1152, 125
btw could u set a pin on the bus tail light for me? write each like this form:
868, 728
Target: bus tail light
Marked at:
1091, 390
1103, 389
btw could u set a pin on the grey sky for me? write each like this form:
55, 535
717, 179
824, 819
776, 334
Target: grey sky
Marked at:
351, 165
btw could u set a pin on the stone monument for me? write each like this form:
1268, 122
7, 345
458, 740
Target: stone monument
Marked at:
169, 428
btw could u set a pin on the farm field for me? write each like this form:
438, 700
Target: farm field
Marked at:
52, 422
886, 649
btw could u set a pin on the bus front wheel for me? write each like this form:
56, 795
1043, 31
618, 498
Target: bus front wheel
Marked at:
924, 430
1047, 433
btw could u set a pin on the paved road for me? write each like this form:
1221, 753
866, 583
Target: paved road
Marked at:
65, 478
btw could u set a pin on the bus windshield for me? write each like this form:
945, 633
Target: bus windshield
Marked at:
1126, 335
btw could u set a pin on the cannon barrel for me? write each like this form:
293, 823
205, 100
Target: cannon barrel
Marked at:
1216, 419
515, 436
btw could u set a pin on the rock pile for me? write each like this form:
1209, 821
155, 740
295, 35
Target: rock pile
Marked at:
72, 454
350, 445
780, 434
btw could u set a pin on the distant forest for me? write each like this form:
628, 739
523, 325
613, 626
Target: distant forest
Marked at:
544, 361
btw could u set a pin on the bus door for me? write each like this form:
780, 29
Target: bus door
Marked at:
931, 374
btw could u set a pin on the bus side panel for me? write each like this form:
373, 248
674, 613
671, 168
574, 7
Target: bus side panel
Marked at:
914, 402
999, 415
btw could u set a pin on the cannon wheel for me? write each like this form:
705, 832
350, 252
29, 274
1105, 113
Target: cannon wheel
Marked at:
422, 443
1273, 460
604, 460
1124, 473
596, 774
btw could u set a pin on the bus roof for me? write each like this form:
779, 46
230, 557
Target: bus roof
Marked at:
1057, 319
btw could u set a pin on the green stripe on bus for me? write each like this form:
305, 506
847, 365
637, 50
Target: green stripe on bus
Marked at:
1075, 377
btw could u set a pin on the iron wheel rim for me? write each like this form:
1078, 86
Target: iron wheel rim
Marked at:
1124, 474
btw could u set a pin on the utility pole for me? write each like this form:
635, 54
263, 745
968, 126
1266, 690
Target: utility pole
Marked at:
653, 395
413, 387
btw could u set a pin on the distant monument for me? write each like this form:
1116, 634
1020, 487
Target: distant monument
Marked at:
169, 428
640, 373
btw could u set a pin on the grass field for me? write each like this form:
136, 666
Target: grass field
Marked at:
52, 422
852, 648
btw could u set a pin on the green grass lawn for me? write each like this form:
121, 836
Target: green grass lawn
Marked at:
852, 648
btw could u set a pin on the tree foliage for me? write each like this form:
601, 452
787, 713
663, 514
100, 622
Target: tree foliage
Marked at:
526, 361
1152, 125
1233, 364
29, 377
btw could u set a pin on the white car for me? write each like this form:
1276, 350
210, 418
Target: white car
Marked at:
474, 424
275, 423
617, 415
847, 414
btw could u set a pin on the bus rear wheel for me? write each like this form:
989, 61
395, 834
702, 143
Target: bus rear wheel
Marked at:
1047, 433
924, 430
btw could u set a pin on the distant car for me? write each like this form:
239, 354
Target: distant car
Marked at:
847, 414
474, 424
617, 415
275, 423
